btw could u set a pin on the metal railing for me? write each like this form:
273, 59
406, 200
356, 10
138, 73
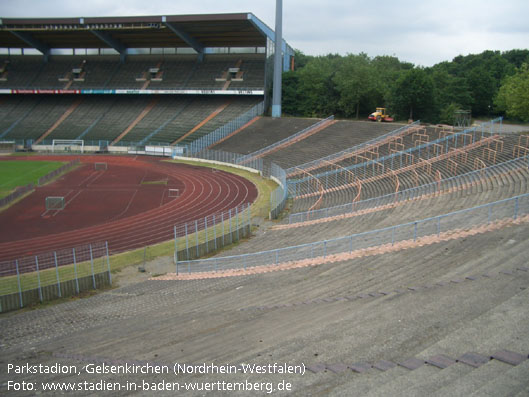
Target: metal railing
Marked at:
284, 141
357, 148
48, 177
510, 208
51, 275
222, 132
411, 193
202, 236
19, 192
392, 162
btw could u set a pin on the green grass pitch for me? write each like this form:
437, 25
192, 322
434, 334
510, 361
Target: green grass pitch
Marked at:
20, 173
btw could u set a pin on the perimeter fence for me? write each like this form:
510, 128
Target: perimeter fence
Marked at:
267, 169
452, 183
202, 236
48, 177
62, 273
19, 192
506, 209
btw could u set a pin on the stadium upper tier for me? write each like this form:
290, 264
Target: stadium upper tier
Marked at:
148, 72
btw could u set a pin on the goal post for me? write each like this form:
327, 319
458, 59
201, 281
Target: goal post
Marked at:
54, 203
7, 146
100, 166
67, 145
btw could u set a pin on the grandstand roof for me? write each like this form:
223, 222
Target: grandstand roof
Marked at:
196, 31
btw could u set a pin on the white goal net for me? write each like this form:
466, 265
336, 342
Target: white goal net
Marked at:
100, 166
68, 145
54, 203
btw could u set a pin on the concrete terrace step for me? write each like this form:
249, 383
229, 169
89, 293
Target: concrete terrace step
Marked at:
472, 381
513, 381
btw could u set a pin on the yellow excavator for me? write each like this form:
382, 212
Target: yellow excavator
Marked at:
380, 115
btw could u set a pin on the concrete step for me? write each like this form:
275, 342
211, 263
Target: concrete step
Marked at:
511, 382
399, 385
446, 376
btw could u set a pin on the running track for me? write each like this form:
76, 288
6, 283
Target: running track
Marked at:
204, 192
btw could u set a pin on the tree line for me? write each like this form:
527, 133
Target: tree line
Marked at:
488, 84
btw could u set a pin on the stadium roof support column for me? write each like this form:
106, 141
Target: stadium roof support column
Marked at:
112, 42
278, 64
33, 42
199, 48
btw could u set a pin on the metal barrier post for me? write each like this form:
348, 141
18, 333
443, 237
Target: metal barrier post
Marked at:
57, 273
215, 232
38, 277
175, 245
75, 271
206, 231
237, 221
415, 232
92, 265
196, 236
19, 285
438, 226
108, 263
515, 208
222, 221
229, 221
187, 241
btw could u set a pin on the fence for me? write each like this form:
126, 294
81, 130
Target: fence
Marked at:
278, 196
434, 150
291, 138
225, 130
511, 208
357, 148
57, 274
197, 238
19, 192
48, 177
435, 187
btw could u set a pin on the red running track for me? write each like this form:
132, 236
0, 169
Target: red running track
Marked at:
118, 205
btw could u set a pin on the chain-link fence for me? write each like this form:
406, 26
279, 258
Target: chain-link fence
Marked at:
511, 208
51, 275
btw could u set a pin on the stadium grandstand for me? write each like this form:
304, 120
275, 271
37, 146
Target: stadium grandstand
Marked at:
399, 268
132, 81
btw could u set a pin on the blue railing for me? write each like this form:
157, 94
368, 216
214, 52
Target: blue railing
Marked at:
506, 209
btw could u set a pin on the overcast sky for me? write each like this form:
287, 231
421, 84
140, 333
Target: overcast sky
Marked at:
422, 32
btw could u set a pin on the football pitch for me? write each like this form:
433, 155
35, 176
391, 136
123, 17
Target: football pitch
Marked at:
20, 173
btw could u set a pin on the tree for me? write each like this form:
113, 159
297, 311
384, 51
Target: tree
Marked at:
316, 90
513, 96
354, 80
413, 94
